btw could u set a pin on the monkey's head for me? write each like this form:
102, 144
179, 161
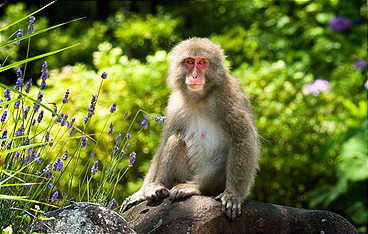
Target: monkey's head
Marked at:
197, 66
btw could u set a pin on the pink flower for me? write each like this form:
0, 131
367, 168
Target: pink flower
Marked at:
317, 87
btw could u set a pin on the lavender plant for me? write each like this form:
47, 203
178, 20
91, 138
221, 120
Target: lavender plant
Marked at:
41, 147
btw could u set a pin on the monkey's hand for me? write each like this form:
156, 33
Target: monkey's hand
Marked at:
155, 191
231, 204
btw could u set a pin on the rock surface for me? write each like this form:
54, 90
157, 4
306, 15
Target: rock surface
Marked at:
83, 218
199, 214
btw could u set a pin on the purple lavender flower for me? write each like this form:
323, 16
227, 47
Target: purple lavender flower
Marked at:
5, 134
113, 108
160, 119
7, 94
40, 116
20, 131
44, 71
104, 75
72, 131
111, 129
19, 35
145, 122
27, 185
33, 122
94, 168
28, 85
93, 153
3, 116
55, 196
47, 171
128, 135
40, 161
36, 107
40, 96
112, 204
44, 75
317, 87
86, 119
118, 137
63, 120
8, 146
65, 98
17, 154
19, 82
36, 157
84, 141
31, 24
91, 109
132, 157
16, 104
126, 114
49, 185
92, 106
123, 153
58, 164
339, 24
360, 64
71, 123
47, 136
65, 155
25, 113
55, 111
114, 149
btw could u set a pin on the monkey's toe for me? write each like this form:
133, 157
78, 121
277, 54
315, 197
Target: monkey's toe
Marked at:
183, 190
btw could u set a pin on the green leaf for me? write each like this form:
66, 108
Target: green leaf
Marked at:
17, 64
354, 155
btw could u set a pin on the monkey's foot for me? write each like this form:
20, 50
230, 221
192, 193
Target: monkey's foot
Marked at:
183, 190
132, 200
231, 204
154, 191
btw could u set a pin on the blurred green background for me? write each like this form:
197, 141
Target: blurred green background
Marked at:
314, 147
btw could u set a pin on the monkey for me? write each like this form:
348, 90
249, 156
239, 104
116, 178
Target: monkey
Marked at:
209, 143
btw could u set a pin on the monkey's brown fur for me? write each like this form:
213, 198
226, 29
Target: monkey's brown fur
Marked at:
209, 143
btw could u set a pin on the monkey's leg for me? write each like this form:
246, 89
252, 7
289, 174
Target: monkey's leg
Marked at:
171, 168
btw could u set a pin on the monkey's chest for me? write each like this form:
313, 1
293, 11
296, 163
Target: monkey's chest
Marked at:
204, 141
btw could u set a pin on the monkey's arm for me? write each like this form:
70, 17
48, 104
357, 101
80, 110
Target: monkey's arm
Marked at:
242, 161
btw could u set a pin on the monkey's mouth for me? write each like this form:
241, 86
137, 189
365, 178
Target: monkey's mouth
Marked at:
195, 87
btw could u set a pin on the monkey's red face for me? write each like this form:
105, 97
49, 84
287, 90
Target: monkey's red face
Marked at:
196, 68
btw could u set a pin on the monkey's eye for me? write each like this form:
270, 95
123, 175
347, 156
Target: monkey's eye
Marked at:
202, 61
189, 61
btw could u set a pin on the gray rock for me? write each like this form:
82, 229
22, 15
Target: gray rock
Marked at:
84, 217
199, 214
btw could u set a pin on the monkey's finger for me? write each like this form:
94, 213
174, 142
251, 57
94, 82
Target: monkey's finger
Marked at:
223, 203
228, 208
239, 209
218, 198
173, 193
233, 212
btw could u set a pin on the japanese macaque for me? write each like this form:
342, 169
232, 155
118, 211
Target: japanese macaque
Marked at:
209, 143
